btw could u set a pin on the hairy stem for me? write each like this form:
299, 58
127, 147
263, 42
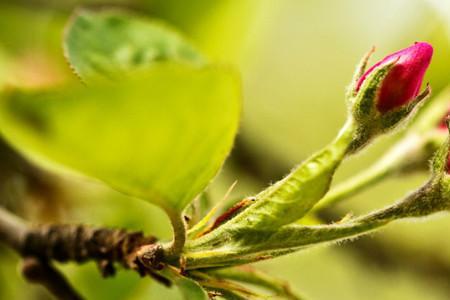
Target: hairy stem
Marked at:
266, 244
406, 156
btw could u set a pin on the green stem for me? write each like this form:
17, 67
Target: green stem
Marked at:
173, 250
405, 155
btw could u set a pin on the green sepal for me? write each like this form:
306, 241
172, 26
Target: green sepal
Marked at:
362, 107
363, 103
390, 119
359, 71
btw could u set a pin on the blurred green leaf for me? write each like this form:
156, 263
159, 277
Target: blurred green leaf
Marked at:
110, 42
159, 135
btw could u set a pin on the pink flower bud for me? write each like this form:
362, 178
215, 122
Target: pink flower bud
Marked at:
404, 80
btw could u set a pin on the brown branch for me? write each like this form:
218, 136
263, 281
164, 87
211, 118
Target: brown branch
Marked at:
13, 232
78, 243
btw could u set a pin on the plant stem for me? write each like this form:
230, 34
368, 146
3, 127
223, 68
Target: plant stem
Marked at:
355, 184
408, 154
174, 249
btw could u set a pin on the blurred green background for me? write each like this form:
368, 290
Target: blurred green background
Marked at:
295, 58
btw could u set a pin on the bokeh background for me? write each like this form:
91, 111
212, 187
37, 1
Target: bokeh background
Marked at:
295, 58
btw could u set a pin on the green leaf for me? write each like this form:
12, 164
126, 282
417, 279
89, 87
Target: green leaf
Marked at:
290, 198
109, 43
160, 135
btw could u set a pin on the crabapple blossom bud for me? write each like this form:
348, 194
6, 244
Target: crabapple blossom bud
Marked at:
387, 93
403, 81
